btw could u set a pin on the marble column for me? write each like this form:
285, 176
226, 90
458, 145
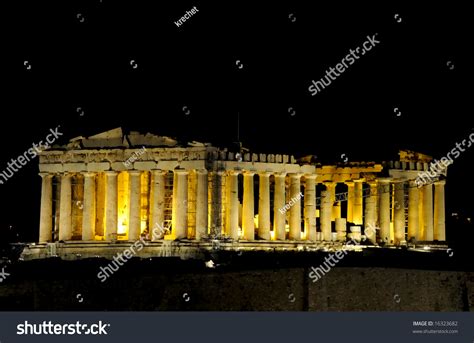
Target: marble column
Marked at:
295, 209
357, 206
428, 212
181, 229
158, 205
310, 207
325, 216
264, 206
399, 213
232, 204
279, 217
134, 192
202, 204
111, 205
331, 188
350, 200
88, 211
65, 218
248, 213
46, 212
370, 213
413, 211
384, 210
439, 211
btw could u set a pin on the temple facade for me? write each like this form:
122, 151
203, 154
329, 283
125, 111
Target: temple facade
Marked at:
115, 188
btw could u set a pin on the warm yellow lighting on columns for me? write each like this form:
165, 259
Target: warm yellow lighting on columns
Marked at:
264, 206
157, 205
421, 226
326, 213
111, 205
279, 217
384, 210
439, 212
46, 213
335, 209
399, 213
350, 200
310, 207
134, 205
371, 214
65, 227
181, 203
357, 205
88, 212
202, 205
248, 225
232, 202
428, 212
295, 209
413, 211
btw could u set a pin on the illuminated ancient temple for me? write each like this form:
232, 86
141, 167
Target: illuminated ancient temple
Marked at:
103, 192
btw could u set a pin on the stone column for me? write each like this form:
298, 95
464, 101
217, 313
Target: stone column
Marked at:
279, 217
357, 205
385, 194
158, 205
65, 220
88, 212
264, 206
413, 212
331, 188
370, 213
310, 207
111, 205
181, 229
134, 192
295, 209
439, 211
326, 213
201, 204
46, 213
399, 213
350, 200
428, 212
232, 204
248, 207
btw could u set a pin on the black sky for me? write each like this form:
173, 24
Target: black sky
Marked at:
80, 54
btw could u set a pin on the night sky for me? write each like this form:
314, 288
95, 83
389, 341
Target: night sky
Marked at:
91, 66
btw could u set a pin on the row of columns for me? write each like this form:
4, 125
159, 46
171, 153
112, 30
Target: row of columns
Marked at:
423, 224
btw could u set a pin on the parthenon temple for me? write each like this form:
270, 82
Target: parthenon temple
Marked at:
115, 188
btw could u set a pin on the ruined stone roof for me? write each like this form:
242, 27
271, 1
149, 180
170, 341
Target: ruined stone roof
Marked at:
116, 138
